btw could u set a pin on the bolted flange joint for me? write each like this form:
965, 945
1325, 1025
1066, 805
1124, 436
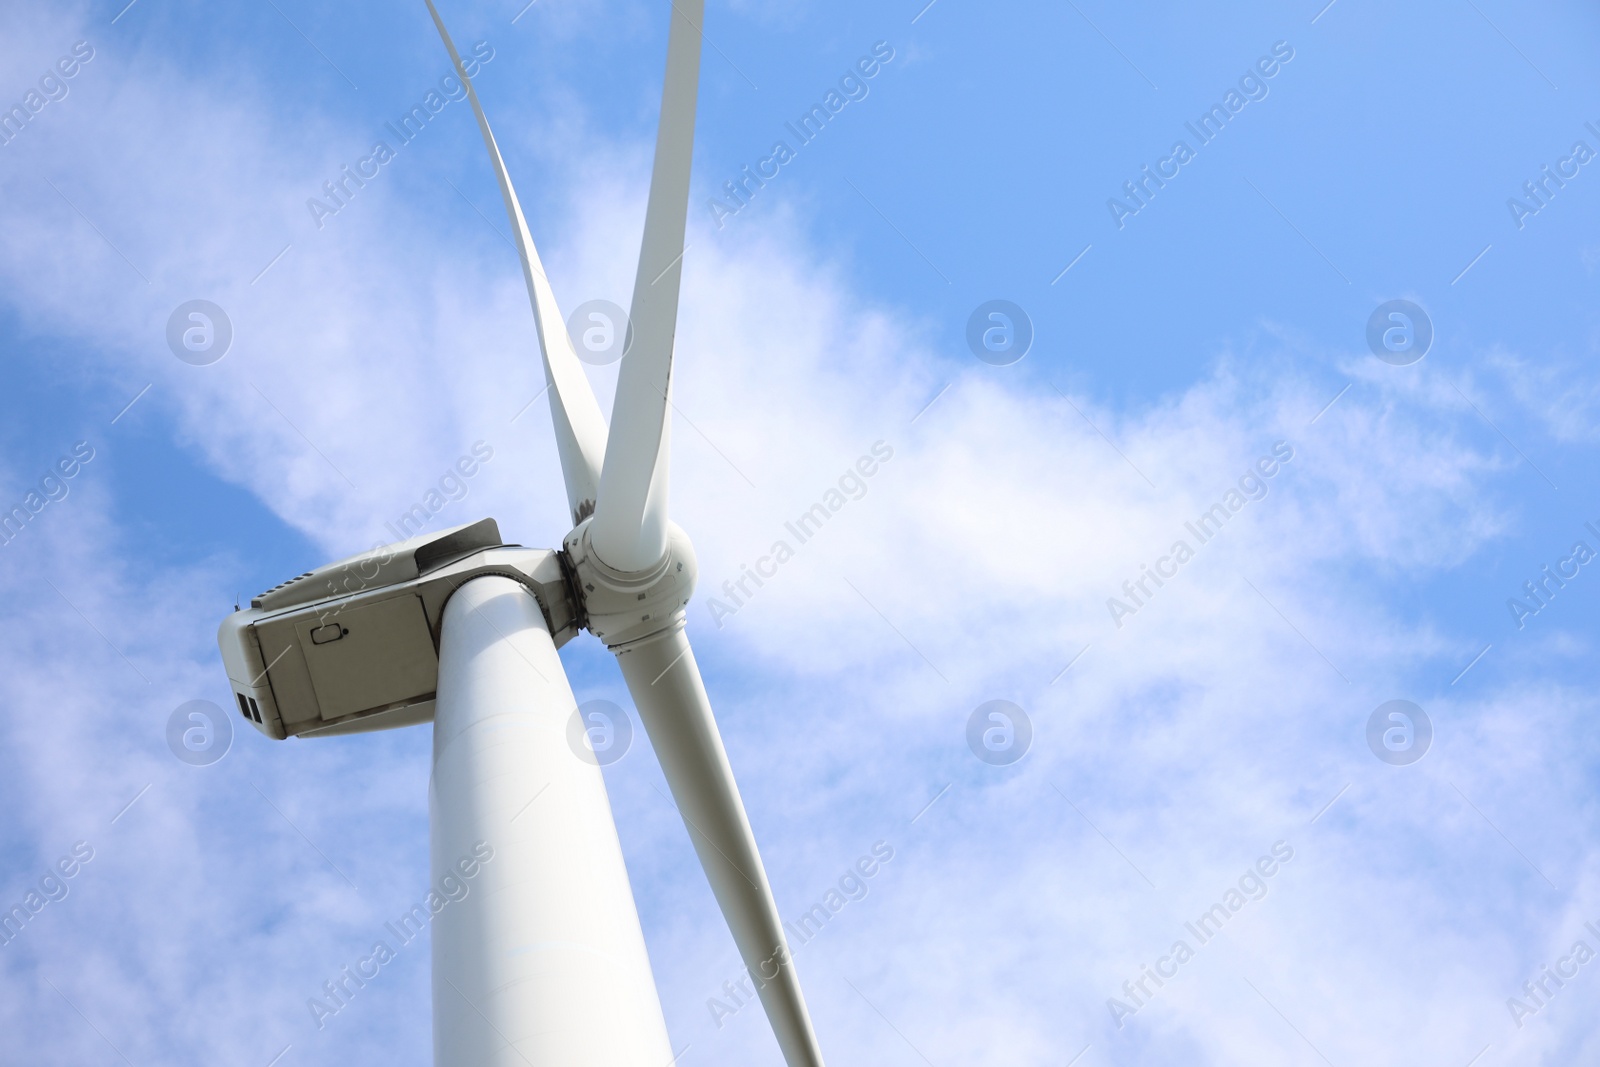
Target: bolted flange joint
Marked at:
623, 607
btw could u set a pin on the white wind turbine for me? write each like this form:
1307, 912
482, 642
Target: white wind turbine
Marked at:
543, 962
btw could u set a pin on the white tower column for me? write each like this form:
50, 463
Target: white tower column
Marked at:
542, 962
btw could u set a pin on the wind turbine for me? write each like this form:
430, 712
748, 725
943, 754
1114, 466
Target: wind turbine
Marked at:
542, 962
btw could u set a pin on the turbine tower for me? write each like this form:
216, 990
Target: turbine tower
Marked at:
542, 961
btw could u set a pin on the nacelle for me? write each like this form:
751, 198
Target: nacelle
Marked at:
354, 645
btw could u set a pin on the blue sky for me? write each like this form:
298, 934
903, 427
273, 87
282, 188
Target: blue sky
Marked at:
1170, 753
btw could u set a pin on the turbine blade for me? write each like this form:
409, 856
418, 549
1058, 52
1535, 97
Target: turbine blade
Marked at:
630, 526
665, 682
580, 428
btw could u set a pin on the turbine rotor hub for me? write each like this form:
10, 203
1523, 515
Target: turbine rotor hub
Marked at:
621, 607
